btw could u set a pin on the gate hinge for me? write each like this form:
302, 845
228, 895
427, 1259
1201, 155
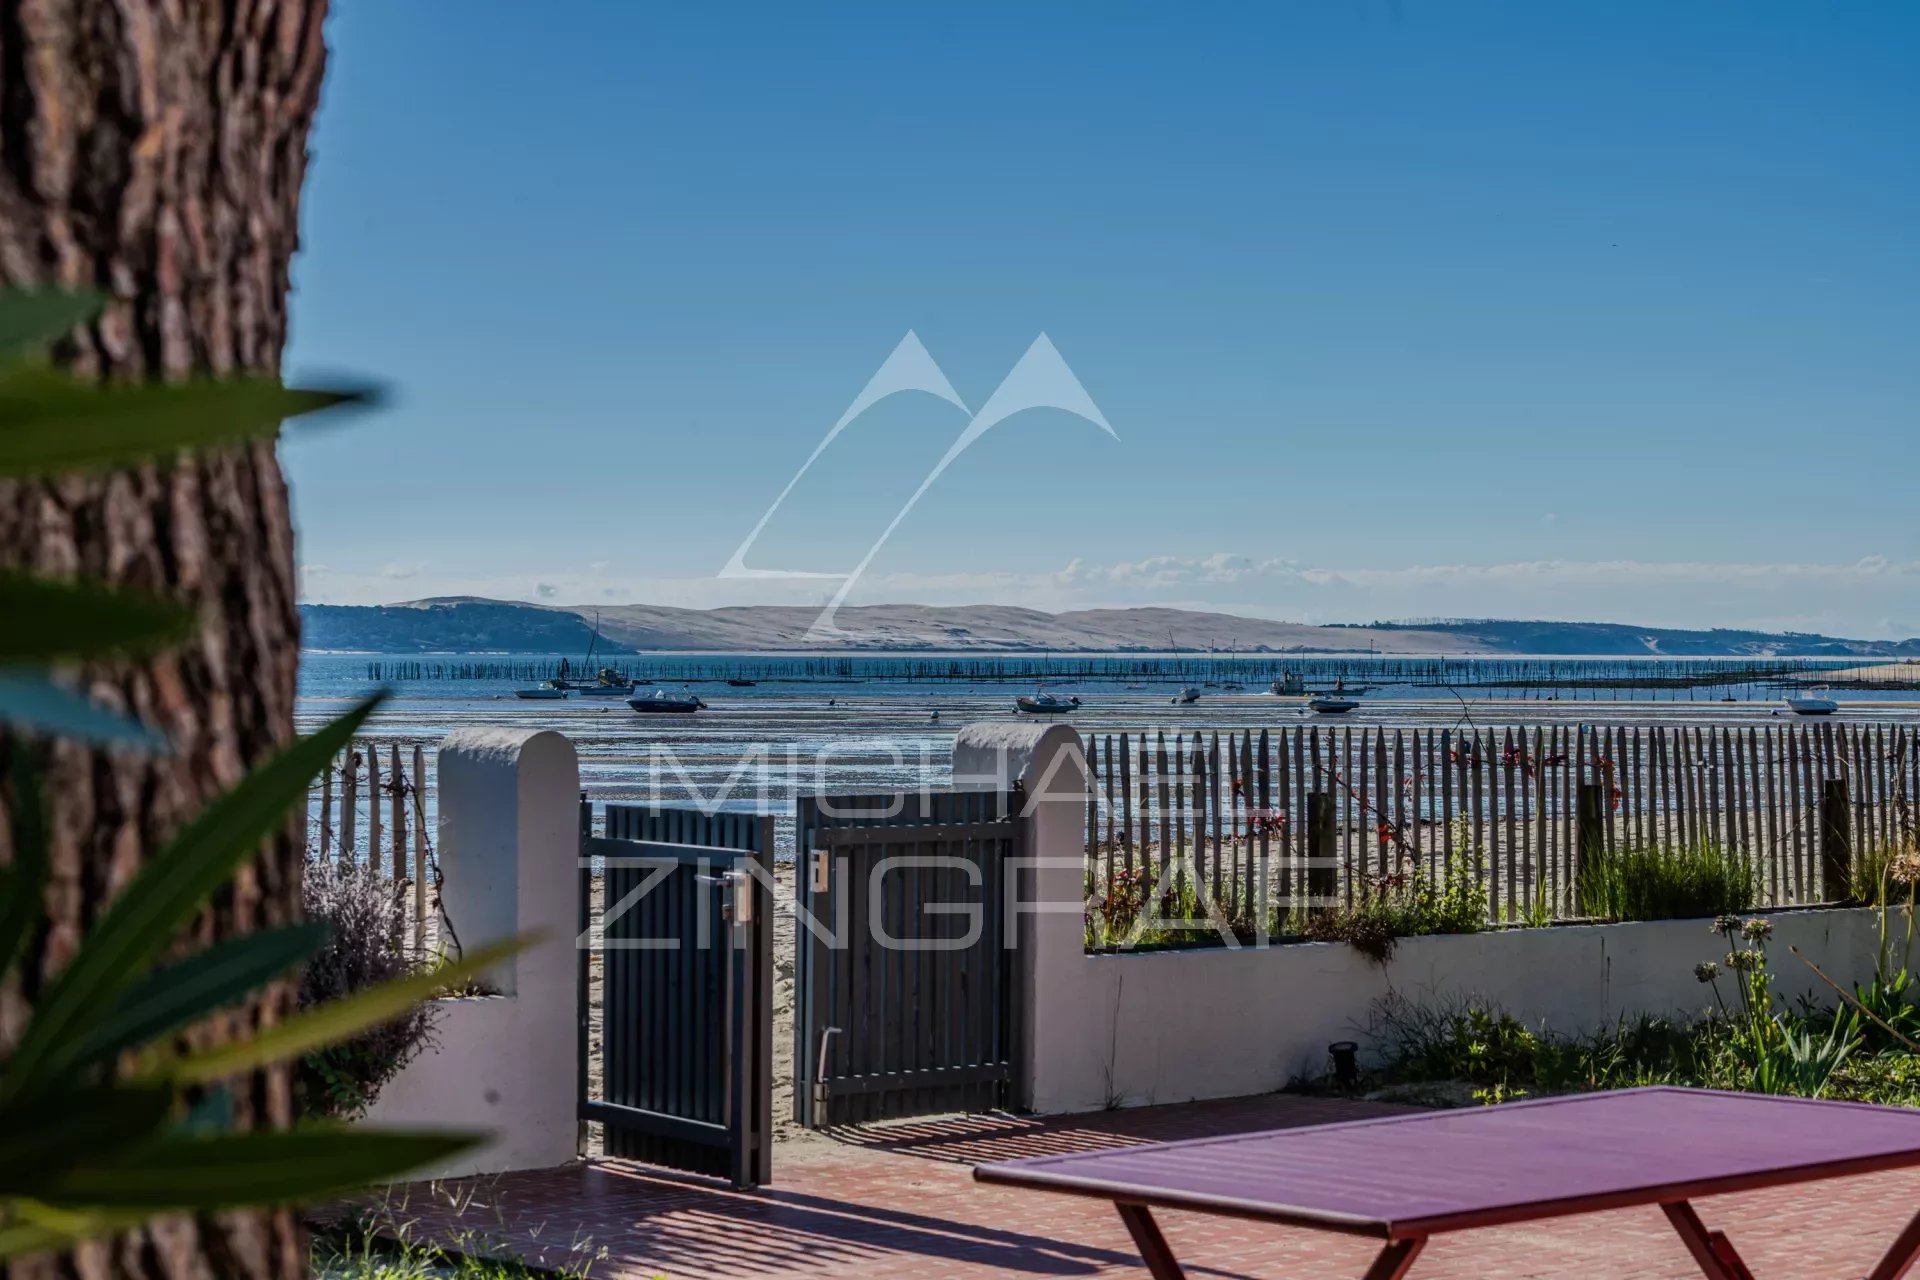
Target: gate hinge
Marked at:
820, 867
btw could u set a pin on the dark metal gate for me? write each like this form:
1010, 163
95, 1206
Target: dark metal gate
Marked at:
906, 986
676, 960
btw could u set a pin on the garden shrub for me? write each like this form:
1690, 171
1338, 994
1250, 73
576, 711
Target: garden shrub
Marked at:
1402, 904
366, 913
1749, 1039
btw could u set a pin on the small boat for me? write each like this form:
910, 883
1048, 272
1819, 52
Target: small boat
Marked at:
1289, 685
545, 692
607, 683
1186, 697
1814, 702
1331, 704
662, 701
1045, 704
739, 683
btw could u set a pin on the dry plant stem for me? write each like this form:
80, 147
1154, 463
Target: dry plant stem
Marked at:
1849, 997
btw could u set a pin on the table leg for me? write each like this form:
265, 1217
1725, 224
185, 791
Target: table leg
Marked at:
1900, 1255
1711, 1250
1151, 1244
1391, 1264
1394, 1260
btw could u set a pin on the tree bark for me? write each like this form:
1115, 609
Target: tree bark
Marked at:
155, 149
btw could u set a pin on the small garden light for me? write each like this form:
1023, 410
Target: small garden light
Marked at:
1345, 1055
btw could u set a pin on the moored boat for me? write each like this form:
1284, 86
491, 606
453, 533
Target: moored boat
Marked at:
607, 683
1045, 704
662, 701
1814, 702
545, 692
1331, 704
1187, 696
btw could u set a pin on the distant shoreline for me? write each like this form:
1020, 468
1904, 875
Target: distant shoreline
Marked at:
979, 654
474, 626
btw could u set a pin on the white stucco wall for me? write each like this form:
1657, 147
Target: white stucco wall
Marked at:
509, 851
1048, 763
1174, 1026
1144, 1028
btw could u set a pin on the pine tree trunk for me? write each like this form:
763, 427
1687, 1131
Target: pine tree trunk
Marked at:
155, 149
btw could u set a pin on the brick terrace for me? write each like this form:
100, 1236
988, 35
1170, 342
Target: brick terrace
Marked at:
899, 1201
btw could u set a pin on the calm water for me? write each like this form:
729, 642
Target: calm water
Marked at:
876, 729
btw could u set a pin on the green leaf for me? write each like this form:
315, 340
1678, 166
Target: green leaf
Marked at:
44, 1228
167, 999
75, 1128
28, 700
165, 894
50, 424
43, 621
238, 1169
23, 882
330, 1023
32, 321
19, 1238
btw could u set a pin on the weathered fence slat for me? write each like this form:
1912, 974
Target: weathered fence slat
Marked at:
1226, 814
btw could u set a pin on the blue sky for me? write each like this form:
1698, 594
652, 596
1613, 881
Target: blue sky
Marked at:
1397, 309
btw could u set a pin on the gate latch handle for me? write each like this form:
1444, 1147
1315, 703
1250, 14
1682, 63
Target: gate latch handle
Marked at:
821, 868
739, 904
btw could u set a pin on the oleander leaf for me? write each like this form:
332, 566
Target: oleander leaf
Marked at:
30, 701
23, 881
32, 320
167, 999
44, 621
329, 1023
51, 424
165, 894
39, 1138
188, 1172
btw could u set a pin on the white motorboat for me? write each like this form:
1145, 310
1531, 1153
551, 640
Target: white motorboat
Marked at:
660, 701
545, 692
1045, 704
1816, 701
1187, 696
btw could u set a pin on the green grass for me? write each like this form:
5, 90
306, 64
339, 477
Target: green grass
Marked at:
384, 1243
1666, 883
1886, 873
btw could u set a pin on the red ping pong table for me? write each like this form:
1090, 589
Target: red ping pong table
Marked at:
1404, 1179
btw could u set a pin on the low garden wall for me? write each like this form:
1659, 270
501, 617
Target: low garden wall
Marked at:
1171, 1026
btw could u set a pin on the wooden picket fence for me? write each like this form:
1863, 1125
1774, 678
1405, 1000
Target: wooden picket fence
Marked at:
370, 808
1230, 810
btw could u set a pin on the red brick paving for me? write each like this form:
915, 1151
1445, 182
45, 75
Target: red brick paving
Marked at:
900, 1201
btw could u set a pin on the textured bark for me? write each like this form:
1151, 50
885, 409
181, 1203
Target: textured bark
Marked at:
155, 149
